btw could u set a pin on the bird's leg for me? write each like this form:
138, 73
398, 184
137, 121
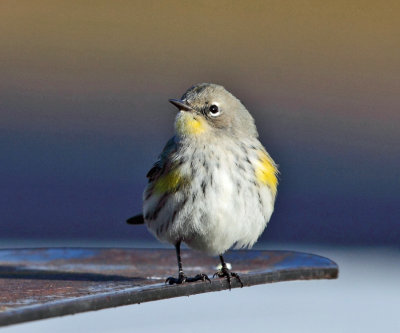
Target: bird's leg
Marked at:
182, 278
225, 272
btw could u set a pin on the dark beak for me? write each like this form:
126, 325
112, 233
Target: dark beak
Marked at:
181, 105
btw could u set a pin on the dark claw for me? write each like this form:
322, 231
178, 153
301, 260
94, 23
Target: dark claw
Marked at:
225, 272
199, 277
182, 278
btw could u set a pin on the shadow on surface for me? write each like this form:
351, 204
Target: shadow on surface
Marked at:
11, 272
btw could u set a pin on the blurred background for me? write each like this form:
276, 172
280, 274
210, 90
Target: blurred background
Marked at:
84, 89
84, 112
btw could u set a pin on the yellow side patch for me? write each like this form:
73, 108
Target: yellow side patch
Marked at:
187, 124
266, 172
169, 182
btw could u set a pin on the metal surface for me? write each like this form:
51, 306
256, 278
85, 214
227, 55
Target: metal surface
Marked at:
44, 283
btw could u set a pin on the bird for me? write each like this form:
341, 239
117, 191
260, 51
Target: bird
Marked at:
214, 184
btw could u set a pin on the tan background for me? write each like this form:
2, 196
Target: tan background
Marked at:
83, 101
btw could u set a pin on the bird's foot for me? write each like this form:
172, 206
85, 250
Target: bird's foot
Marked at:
182, 278
225, 272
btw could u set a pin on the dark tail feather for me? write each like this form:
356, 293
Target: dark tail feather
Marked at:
137, 219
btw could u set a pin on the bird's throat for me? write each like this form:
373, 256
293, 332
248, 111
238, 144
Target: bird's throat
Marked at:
189, 124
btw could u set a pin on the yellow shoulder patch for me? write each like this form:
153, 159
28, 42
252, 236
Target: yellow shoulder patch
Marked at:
169, 182
188, 124
266, 172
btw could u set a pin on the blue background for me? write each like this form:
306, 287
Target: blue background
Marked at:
84, 111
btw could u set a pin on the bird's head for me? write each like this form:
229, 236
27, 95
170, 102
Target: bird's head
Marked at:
209, 109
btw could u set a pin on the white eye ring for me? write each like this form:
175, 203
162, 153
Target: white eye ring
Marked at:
214, 110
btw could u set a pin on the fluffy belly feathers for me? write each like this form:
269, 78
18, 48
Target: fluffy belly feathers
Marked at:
221, 203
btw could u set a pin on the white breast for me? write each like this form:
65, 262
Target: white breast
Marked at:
222, 205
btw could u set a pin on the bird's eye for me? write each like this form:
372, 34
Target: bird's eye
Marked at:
214, 110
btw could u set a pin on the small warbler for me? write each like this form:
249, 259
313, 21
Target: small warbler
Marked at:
214, 184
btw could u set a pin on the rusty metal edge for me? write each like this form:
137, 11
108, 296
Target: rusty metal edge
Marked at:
137, 295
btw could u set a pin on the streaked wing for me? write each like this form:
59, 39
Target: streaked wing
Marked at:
159, 167
155, 172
